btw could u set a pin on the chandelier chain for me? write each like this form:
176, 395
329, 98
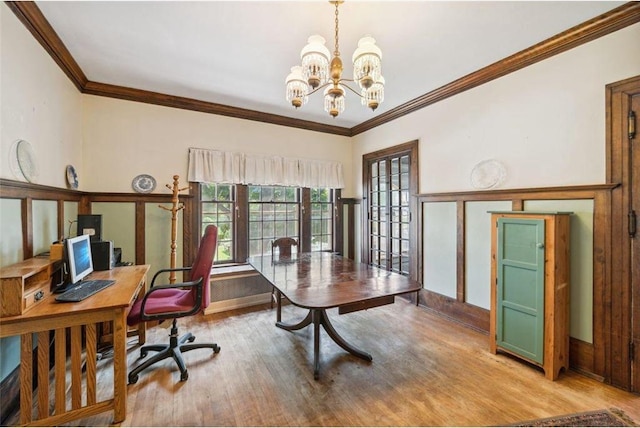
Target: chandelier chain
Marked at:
337, 51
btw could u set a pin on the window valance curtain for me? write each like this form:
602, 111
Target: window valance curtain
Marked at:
216, 166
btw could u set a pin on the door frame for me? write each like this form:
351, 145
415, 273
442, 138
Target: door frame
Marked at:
614, 305
410, 148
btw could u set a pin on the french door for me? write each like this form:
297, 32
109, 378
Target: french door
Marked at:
390, 183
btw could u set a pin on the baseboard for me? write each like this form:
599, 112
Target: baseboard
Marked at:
241, 302
581, 358
471, 316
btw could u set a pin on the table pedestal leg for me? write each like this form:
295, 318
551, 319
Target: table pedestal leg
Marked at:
319, 318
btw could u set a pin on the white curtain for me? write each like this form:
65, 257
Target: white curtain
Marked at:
215, 166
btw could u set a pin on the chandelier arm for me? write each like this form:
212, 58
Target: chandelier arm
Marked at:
349, 87
320, 87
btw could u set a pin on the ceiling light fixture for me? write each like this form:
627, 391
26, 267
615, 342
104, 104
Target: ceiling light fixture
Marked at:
316, 72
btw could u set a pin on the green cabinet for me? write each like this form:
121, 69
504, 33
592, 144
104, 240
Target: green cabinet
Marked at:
530, 288
520, 287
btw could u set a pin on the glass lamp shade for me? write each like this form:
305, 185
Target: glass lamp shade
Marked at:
374, 96
367, 62
334, 100
315, 61
297, 88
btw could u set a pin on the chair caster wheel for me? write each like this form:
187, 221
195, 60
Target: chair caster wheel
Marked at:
216, 349
133, 379
142, 355
184, 376
191, 339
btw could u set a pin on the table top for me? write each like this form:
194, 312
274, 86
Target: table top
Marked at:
121, 294
321, 280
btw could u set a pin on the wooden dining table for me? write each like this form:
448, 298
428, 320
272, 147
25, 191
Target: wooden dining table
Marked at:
319, 281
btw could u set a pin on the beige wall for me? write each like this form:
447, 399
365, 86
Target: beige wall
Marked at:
545, 123
124, 139
39, 104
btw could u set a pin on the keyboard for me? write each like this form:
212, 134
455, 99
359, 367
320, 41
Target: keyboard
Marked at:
83, 290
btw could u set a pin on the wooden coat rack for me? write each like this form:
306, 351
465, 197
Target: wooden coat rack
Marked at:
176, 206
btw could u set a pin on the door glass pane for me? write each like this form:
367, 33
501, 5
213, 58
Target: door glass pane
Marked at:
389, 190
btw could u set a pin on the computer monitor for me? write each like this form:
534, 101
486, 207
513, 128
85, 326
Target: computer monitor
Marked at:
79, 257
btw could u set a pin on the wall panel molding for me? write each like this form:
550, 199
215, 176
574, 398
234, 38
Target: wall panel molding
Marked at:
587, 358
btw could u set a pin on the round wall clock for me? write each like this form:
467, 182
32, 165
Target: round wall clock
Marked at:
144, 183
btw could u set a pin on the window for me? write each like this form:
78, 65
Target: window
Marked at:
218, 205
274, 212
249, 218
322, 208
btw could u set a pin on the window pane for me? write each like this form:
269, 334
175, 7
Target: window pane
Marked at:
292, 194
217, 208
281, 229
274, 214
224, 192
267, 194
255, 230
395, 165
280, 211
404, 163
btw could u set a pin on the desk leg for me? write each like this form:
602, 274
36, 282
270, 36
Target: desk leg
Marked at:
119, 366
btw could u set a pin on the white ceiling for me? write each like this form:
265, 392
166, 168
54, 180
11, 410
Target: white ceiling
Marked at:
238, 53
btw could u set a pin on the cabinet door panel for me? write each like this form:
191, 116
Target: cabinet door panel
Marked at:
520, 287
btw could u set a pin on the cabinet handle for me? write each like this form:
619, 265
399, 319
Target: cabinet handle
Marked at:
540, 245
39, 295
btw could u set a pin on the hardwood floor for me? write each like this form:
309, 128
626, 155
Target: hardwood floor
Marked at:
426, 371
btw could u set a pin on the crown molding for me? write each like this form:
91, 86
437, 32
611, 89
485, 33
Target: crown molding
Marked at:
32, 18
609, 22
131, 94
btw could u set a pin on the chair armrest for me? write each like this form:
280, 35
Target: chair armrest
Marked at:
181, 269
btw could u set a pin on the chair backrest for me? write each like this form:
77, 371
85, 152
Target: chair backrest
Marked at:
201, 267
284, 246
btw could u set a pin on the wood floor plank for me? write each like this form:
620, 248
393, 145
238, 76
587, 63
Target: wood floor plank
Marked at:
426, 371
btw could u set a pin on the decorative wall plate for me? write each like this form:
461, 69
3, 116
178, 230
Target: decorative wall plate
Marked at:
22, 161
144, 183
72, 177
487, 174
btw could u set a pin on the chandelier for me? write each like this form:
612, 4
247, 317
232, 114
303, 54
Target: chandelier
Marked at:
316, 73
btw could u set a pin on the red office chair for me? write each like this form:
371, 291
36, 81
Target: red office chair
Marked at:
174, 301
284, 253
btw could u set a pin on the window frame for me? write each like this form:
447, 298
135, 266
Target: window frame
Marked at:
241, 221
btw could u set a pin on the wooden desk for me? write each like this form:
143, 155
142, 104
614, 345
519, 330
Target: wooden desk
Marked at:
319, 281
109, 305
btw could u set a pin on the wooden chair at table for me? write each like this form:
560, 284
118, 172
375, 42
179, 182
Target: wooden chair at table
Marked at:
284, 247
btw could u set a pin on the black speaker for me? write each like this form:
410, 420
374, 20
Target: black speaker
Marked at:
102, 255
90, 224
